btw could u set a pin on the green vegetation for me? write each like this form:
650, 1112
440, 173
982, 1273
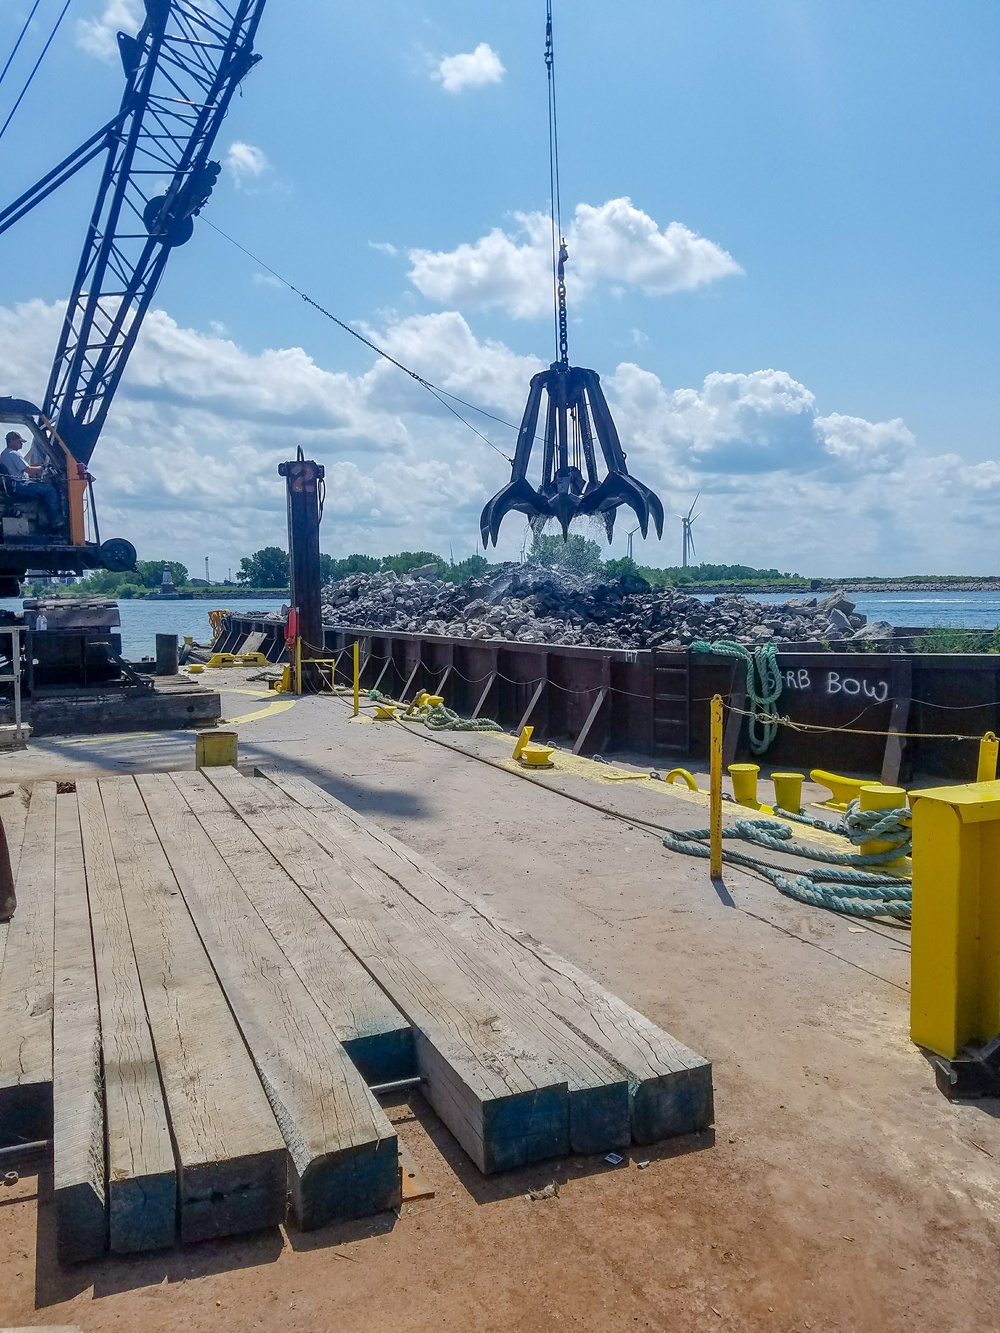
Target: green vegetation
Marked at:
728, 574
266, 568
943, 640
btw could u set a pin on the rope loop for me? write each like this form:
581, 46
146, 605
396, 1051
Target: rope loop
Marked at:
763, 685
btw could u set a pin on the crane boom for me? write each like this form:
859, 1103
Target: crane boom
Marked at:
181, 71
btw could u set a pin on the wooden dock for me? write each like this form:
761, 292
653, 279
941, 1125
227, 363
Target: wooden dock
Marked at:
207, 973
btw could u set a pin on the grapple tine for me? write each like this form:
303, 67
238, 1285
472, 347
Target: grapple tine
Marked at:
517, 494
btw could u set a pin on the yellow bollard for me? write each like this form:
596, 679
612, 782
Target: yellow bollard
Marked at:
989, 747
744, 778
357, 678
876, 797
215, 749
715, 790
788, 791
955, 965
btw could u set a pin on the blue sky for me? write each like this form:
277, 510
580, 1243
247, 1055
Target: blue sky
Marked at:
813, 344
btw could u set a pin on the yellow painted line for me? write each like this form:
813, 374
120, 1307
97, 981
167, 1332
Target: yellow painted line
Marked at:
254, 694
279, 706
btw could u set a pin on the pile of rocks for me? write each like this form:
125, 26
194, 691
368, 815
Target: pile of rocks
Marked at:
532, 604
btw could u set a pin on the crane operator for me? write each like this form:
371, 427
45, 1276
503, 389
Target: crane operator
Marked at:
17, 478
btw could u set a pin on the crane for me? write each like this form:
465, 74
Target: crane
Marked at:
181, 71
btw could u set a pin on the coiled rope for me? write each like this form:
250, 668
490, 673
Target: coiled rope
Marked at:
858, 826
440, 718
763, 685
437, 717
852, 890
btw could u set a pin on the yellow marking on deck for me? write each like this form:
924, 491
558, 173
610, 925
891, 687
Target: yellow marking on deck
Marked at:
578, 766
279, 706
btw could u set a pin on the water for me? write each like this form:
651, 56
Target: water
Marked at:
964, 610
142, 620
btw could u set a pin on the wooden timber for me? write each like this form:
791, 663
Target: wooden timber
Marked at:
496, 1062
78, 1106
26, 982
231, 1159
342, 1148
142, 1181
369, 1026
670, 1086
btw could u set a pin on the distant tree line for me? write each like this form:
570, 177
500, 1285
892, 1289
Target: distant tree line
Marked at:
268, 570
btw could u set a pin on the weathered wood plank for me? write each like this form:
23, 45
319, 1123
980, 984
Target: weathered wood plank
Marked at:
26, 982
342, 1147
370, 1027
78, 1107
142, 1181
407, 948
671, 1086
13, 811
231, 1160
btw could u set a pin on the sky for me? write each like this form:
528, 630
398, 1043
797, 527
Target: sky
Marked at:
781, 221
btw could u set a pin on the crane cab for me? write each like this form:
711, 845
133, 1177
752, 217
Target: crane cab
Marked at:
75, 547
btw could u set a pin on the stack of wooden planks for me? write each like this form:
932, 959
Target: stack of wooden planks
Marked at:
208, 973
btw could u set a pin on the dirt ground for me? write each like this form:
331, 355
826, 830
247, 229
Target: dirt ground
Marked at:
838, 1191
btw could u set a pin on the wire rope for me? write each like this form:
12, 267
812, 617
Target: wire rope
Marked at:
559, 254
34, 70
433, 389
20, 39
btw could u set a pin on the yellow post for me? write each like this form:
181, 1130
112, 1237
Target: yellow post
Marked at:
215, 749
298, 664
715, 789
955, 965
989, 747
744, 779
357, 678
876, 797
788, 791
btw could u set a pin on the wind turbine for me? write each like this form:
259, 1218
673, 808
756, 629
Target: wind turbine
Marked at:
687, 523
630, 536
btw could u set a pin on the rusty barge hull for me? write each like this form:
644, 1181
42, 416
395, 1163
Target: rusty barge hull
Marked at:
891, 714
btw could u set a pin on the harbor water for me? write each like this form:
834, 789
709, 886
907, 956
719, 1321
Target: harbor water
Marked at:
951, 610
143, 620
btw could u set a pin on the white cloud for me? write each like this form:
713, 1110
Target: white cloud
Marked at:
473, 69
188, 461
245, 161
98, 36
740, 425
613, 243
